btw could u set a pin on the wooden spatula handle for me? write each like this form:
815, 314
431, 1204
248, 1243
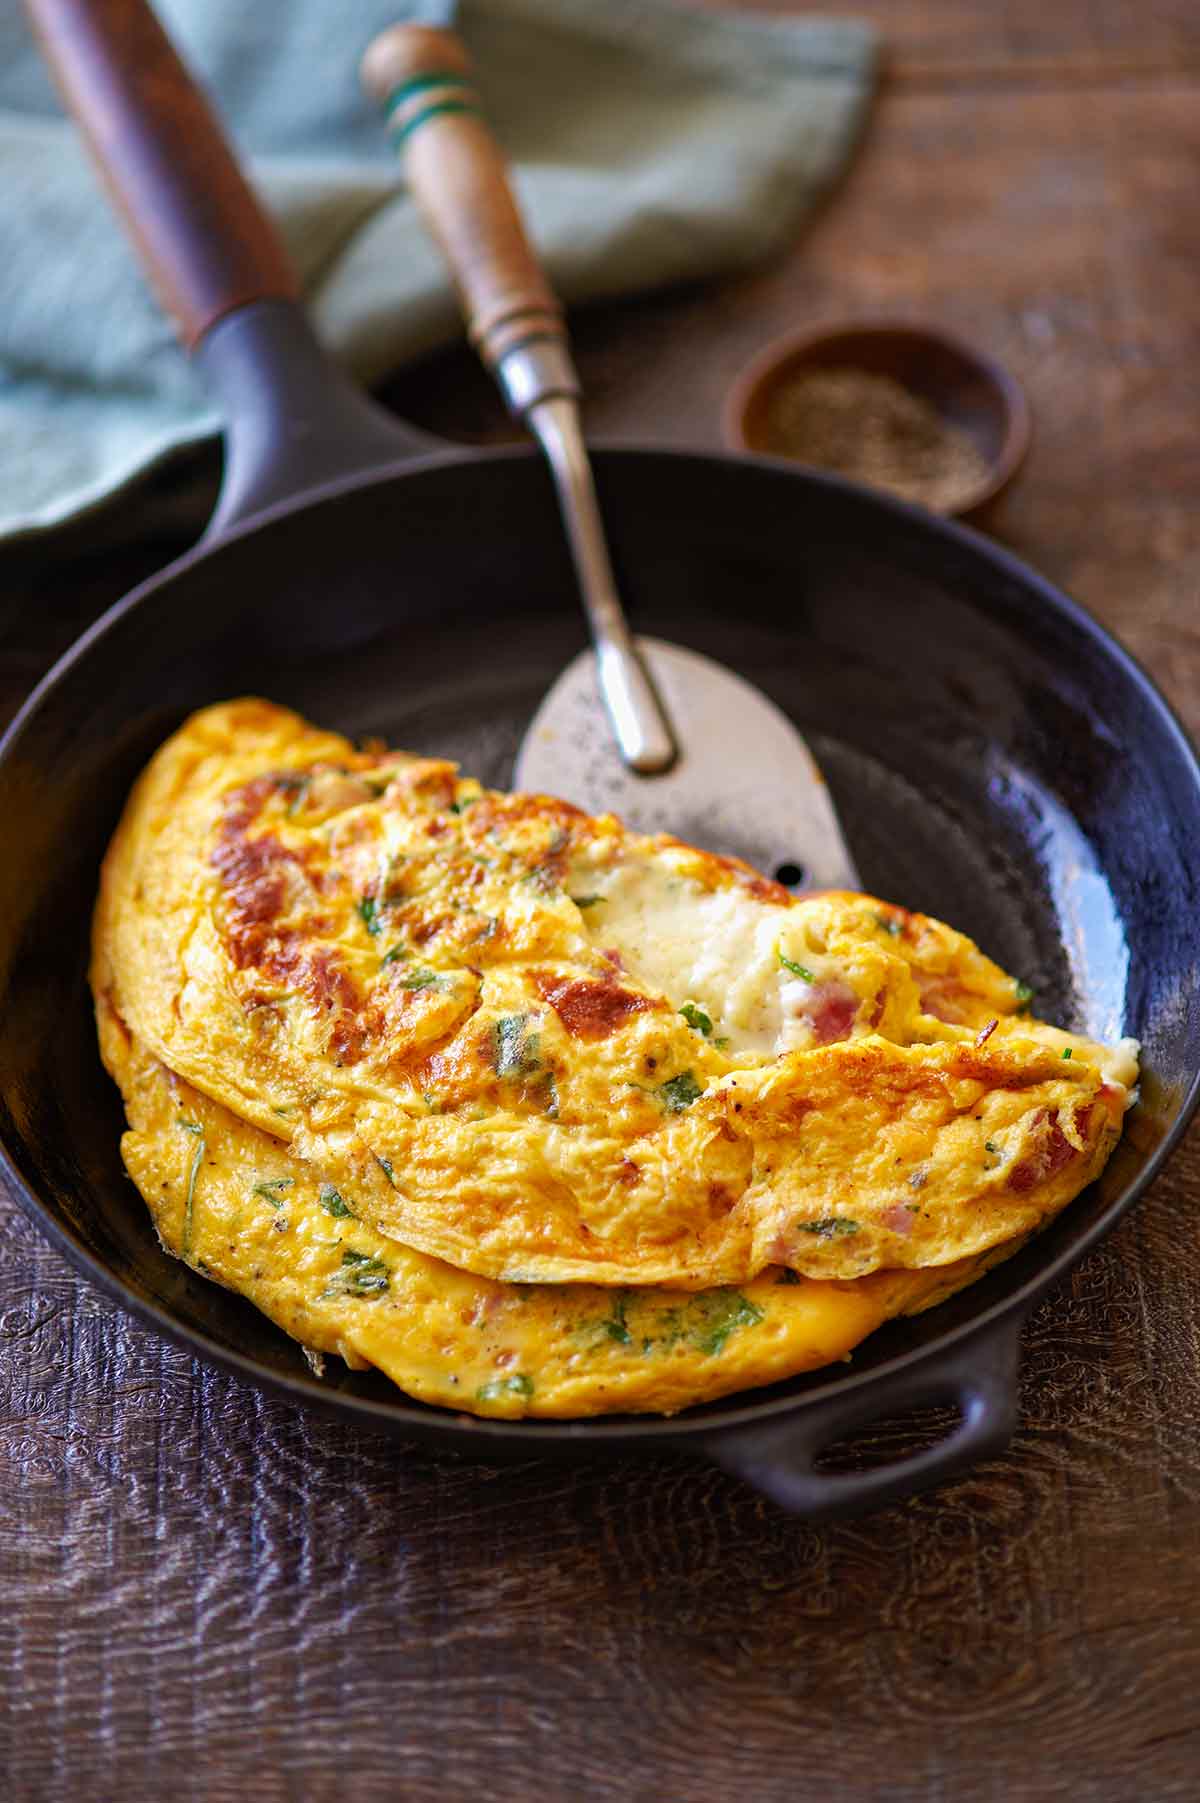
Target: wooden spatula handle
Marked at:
457, 176
203, 238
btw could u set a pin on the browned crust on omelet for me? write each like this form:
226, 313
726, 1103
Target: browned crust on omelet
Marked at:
367, 956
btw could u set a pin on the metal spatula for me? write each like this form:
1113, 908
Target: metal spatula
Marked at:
660, 735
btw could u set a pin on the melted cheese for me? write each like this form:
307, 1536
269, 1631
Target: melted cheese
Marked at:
716, 947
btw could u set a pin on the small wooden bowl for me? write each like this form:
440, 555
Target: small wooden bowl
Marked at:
969, 390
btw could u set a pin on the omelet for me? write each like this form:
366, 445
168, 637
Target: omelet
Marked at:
237, 1206
552, 1069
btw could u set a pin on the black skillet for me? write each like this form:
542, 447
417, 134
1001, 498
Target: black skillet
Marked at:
997, 758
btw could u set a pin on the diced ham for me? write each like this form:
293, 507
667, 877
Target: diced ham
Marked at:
828, 1009
1051, 1151
942, 997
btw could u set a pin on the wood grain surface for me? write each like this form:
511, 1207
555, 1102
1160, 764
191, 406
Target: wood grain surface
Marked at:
207, 1594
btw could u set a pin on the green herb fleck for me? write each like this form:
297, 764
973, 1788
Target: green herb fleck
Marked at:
463, 803
185, 1242
798, 970
586, 901
271, 1189
360, 1275
423, 978
1024, 997
890, 925
697, 1018
705, 1321
678, 1093
386, 1168
829, 1227
335, 1204
990, 1146
516, 1052
725, 1311
1067, 1053
397, 952
368, 908
615, 1326
296, 787
517, 1385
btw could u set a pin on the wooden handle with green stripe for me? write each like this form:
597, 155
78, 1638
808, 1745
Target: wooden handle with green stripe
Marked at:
457, 175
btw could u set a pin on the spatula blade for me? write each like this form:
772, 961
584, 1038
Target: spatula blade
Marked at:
745, 783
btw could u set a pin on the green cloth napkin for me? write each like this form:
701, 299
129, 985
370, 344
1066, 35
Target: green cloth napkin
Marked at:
651, 145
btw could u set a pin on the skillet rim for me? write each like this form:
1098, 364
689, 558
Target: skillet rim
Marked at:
728, 1416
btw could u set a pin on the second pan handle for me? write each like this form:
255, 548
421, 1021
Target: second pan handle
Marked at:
783, 1460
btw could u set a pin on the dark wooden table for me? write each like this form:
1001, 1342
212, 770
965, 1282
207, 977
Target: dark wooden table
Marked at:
207, 1594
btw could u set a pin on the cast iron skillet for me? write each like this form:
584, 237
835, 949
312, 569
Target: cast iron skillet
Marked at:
998, 759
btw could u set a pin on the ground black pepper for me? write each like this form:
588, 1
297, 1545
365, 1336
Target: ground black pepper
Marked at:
873, 429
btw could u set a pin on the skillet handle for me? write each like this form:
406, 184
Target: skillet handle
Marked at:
459, 179
294, 420
781, 1460
203, 239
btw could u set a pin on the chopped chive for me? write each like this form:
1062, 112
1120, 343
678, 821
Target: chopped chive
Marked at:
185, 1241
829, 1227
271, 1189
798, 970
615, 1326
423, 978
734, 1311
517, 1385
360, 1275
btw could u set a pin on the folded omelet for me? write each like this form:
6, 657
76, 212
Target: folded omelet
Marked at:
233, 1203
611, 1123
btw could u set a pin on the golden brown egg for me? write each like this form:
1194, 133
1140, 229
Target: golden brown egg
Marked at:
624, 1125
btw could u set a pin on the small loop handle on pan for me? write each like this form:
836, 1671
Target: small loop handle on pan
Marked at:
781, 1460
